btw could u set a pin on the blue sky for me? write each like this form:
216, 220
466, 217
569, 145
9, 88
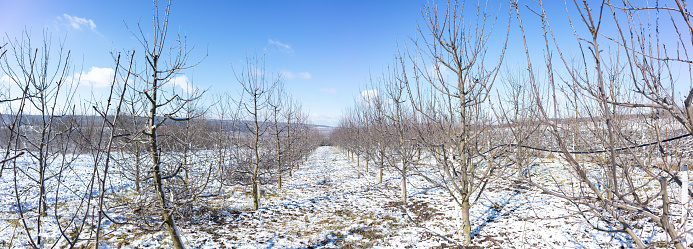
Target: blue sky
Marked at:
326, 50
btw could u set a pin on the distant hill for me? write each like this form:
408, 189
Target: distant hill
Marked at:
211, 124
323, 129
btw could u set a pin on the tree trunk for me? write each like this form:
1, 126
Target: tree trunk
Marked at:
158, 182
683, 175
381, 165
403, 196
465, 167
42, 194
668, 227
366, 164
185, 164
256, 190
166, 214
465, 224
137, 168
380, 175
256, 195
256, 154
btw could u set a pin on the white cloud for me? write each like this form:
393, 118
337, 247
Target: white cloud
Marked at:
368, 98
370, 94
277, 46
329, 90
184, 83
5, 80
78, 22
435, 69
96, 77
291, 75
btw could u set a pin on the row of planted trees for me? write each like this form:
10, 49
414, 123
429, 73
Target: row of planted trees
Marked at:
446, 112
147, 154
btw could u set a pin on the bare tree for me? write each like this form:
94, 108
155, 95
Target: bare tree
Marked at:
56, 138
453, 106
225, 136
108, 132
159, 71
373, 119
48, 91
398, 126
258, 89
294, 124
609, 68
276, 105
365, 130
404, 125
518, 123
11, 122
132, 151
13, 149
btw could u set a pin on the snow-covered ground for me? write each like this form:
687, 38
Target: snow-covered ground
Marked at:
74, 181
330, 203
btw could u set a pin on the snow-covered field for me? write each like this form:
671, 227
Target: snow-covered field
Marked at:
74, 181
330, 203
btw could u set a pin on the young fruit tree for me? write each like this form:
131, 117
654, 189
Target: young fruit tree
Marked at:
400, 127
163, 62
622, 73
258, 89
449, 86
47, 89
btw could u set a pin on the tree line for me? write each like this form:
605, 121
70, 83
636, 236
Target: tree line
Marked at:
168, 150
452, 109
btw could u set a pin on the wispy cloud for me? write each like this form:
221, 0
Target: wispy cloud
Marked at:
96, 77
277, 46
291, 75
329, 90
77, 22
